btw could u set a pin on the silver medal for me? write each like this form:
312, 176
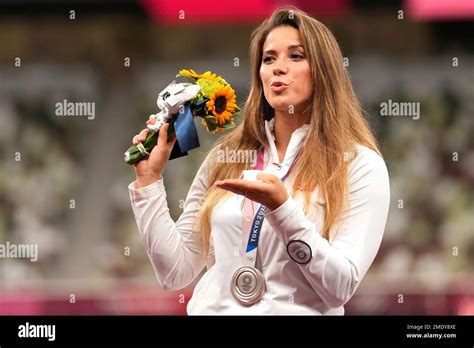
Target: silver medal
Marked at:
247, 285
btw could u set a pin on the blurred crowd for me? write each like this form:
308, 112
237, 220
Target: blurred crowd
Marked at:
63, 183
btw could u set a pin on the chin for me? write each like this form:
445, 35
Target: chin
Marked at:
280, 105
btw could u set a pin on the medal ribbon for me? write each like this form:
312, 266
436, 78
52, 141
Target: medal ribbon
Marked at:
254, 234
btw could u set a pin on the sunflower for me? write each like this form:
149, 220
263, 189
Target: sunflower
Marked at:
189, 73
222, 104
194, 75
210, 76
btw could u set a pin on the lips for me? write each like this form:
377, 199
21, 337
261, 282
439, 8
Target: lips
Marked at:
278, 86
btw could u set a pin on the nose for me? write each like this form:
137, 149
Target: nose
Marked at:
279, 68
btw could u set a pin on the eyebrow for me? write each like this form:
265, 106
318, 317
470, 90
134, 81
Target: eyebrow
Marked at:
289, 48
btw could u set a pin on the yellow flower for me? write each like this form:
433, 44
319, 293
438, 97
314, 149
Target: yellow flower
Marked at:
210, 76
207, 75
222, 104
189, 73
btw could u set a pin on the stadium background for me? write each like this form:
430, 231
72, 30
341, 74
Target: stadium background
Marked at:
68, 193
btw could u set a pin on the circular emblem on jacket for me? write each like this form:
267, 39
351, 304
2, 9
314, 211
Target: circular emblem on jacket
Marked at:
299, 251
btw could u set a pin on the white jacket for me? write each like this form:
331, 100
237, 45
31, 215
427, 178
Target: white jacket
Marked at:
321, 286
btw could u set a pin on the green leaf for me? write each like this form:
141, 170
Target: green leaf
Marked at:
212, 120
228, 125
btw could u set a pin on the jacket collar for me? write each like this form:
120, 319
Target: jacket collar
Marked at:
296, 141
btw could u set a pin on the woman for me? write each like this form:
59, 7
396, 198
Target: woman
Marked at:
322, 199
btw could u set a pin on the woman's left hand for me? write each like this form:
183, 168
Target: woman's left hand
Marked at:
271, 192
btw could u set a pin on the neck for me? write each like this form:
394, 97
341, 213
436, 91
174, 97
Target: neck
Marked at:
285, 125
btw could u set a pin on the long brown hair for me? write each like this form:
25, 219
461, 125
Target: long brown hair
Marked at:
336, 124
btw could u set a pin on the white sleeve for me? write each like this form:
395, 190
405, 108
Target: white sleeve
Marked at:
336, 269
175, 250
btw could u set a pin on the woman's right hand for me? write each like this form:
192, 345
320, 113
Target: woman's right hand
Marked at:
151, 169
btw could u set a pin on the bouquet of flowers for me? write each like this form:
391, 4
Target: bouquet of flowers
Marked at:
206, 95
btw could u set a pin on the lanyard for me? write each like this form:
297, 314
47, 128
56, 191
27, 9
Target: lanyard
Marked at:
255, 228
